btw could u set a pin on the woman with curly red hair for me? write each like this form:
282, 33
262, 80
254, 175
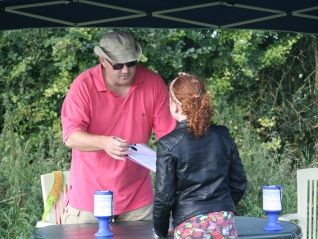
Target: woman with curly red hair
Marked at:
199, 177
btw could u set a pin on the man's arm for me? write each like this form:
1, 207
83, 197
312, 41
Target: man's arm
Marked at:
83, 141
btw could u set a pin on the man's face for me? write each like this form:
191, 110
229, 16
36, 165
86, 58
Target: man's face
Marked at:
120, 77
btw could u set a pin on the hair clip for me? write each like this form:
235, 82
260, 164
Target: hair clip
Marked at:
197, 96
183, 74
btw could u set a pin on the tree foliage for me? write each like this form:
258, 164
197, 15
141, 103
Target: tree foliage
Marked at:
263, 84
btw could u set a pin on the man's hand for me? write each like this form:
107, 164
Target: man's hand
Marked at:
117, 148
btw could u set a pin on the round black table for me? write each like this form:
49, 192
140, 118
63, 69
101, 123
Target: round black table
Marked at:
248, 227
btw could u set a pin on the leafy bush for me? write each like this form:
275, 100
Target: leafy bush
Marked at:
263, 86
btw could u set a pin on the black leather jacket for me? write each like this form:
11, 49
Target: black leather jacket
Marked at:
196, 176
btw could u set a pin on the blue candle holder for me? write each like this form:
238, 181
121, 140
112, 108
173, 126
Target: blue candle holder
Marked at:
103, 211
272, 205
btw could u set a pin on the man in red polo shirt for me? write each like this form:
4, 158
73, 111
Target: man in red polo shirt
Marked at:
107, 108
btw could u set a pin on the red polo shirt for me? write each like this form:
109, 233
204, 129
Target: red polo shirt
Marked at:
91, 107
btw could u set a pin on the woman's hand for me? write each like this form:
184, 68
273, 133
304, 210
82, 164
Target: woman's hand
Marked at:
170, 232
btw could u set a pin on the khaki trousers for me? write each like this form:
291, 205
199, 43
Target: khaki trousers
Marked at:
75, 216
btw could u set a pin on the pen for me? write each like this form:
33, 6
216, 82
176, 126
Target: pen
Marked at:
116, 139
130, 145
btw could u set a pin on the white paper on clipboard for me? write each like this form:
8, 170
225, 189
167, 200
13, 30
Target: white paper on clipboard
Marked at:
144, 156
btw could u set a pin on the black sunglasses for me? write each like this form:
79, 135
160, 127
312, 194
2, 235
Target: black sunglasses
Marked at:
119, 66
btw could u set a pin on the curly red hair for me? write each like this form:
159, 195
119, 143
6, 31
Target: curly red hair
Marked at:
189, 92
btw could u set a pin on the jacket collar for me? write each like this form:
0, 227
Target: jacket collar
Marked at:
181, 124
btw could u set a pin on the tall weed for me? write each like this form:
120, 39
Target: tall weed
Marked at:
262, 163
21, 203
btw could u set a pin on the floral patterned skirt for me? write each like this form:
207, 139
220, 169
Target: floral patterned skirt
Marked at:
213, 225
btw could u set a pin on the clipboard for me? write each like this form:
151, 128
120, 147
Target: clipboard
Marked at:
143, 155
